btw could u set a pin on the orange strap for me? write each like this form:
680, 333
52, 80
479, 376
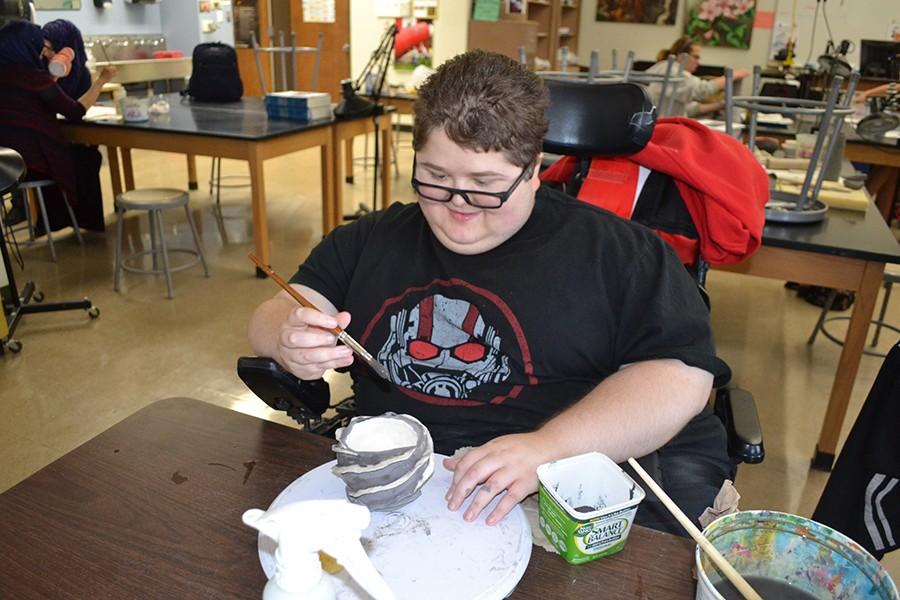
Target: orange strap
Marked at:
611, 183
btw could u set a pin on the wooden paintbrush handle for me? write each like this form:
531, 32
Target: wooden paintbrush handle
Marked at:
720, 561
288, 288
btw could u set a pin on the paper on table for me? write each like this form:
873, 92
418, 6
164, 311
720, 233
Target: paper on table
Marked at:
773, 119
100, 113
718, 125
834, 198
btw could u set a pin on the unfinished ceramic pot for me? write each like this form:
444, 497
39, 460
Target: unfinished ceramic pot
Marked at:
385, 460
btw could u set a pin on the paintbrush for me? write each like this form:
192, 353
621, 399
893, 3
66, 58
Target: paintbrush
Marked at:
341, 334
103, 48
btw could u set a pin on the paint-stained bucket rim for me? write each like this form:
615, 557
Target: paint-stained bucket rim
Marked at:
881, 579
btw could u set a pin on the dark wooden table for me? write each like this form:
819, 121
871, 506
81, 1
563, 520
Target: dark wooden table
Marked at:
152, 508
884, 177
238, 130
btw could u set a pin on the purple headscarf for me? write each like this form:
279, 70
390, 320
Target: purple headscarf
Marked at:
21, 44
61, 34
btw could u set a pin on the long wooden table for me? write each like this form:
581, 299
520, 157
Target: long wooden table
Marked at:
848, 250
151, 508
884, 178
237, 130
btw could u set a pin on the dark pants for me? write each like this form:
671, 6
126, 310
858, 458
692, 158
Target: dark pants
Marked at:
87, 205
690, 468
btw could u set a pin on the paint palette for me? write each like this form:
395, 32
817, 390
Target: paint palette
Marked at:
422, 549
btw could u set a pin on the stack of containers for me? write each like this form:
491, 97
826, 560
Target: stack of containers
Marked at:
299, 106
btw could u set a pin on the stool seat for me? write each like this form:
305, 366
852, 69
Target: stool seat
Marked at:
37, 185
154, 201
152, 198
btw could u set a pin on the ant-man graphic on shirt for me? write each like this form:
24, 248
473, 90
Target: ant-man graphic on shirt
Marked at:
441, 348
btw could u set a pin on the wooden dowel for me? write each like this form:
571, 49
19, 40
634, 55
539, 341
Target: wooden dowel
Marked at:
288, 288
721, 562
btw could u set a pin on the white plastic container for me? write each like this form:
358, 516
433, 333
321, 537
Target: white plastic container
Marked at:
135, 109
587, 504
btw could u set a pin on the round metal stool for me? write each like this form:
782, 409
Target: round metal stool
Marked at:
154, 201
890, 278
38, 186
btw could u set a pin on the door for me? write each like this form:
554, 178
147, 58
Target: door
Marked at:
335, 60
251, 15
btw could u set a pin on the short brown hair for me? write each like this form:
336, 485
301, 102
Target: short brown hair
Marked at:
486, 102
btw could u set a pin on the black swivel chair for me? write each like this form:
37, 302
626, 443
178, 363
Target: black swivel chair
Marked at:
16, 305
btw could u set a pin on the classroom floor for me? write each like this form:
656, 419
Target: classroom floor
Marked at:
75, 377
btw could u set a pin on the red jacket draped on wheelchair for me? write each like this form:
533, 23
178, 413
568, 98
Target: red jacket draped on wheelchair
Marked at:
700, 190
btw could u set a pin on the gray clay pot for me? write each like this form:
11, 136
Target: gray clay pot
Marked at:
384, 460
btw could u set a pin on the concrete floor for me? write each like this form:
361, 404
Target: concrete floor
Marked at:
75, 377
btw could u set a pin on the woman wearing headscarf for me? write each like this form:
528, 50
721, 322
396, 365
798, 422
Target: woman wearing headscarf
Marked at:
62, 34
30, 99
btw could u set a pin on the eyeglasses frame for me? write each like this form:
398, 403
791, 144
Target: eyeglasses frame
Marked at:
464, 194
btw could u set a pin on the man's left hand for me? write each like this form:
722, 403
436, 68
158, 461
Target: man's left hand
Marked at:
507, 463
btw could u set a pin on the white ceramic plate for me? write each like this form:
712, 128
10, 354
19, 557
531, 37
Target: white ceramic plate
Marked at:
422, 549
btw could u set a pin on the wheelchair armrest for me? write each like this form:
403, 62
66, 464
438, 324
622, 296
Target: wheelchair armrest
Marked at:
737, 410
303, 401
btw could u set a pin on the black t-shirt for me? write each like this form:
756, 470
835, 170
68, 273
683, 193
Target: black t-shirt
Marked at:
496, 343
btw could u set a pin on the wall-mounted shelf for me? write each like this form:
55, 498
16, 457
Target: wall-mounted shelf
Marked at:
552, 16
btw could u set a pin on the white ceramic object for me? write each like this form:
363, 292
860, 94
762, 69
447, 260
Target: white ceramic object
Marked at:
384, 460
422, 549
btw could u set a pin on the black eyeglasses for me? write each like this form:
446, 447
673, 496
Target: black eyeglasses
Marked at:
477, 198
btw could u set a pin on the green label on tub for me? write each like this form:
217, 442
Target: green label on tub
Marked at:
580, 541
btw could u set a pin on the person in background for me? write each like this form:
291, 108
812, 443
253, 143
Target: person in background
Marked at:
512, 318
62, 34
30, 99
693, 96
877, 92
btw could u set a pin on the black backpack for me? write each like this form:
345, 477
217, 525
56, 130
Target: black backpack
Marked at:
214, 75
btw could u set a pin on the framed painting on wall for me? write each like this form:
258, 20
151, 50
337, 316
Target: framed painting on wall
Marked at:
57, 4
727, 23
657, 12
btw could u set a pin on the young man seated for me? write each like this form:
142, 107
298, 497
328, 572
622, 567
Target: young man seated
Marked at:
512, 318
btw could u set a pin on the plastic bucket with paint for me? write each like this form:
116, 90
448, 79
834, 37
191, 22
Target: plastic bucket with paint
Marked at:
784, 555
586, 506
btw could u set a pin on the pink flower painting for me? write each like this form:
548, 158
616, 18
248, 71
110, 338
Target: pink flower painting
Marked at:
726, 23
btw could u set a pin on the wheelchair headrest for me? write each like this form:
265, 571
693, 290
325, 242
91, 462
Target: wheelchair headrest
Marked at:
612, 119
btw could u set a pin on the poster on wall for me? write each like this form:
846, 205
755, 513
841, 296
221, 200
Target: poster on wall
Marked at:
318, 11
389, 9
246, 21
57, 4
657, 12
727, 23
414, 44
